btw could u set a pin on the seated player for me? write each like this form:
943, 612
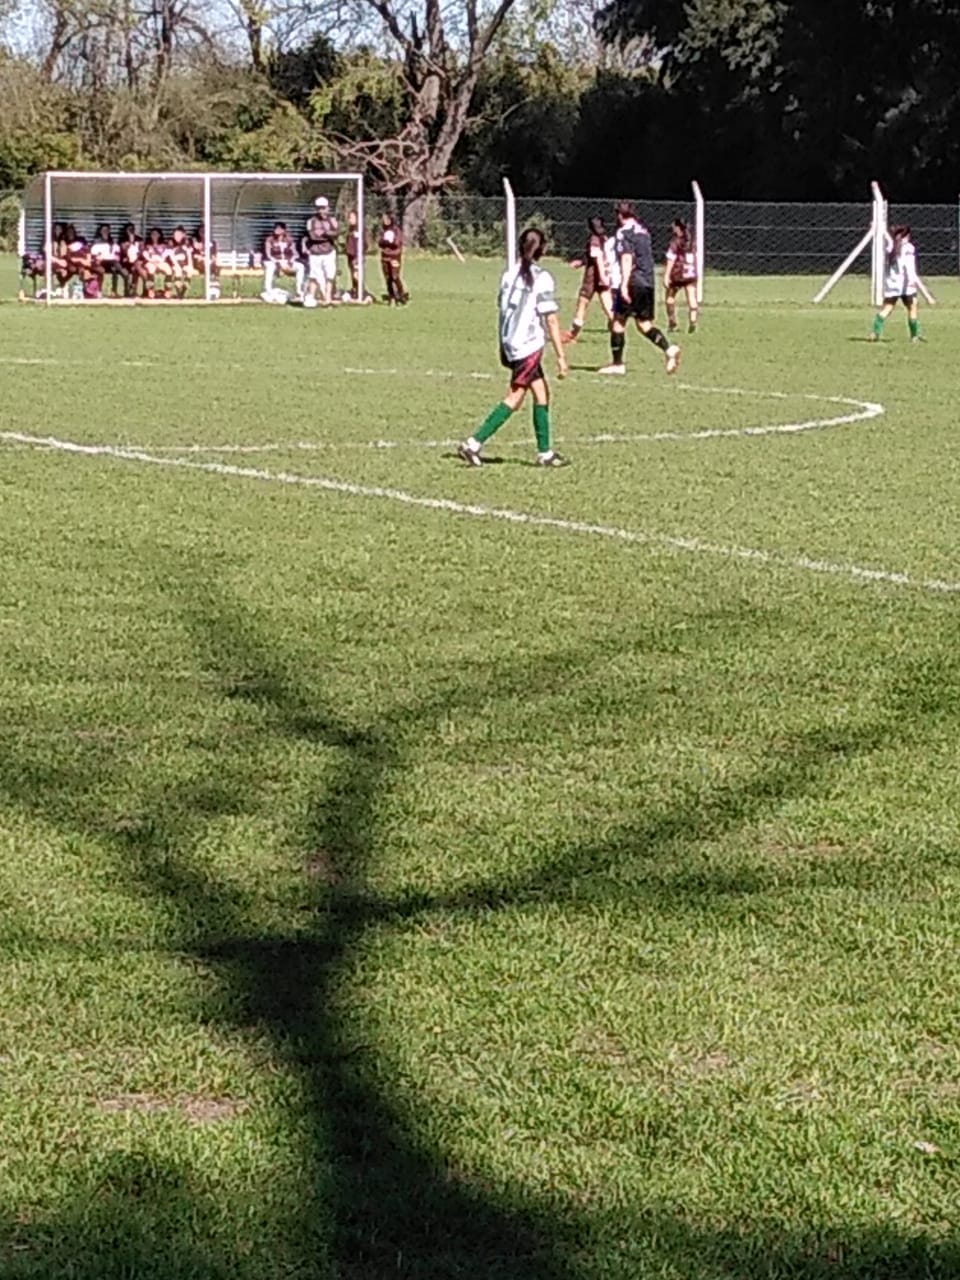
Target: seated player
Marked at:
180, 257
157, 266
280, 257
80, 264
680, 272
58, 251
105, 257
597, 282
204, 249
130, 258
33, 267
391, 261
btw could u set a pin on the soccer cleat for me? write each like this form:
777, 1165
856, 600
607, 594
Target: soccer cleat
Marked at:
470, 456
551, 459
673, 358
613, 369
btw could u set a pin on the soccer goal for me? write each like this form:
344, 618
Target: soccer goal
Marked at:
663, 211
232, 213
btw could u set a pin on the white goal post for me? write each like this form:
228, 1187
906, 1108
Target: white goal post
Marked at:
236, 210
510, 223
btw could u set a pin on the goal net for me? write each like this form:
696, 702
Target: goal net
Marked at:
230, 214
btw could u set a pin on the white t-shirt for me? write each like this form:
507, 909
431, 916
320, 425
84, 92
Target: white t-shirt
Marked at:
901, 276
522, 308
104, 251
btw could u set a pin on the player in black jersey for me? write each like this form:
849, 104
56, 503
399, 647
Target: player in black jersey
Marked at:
636, 296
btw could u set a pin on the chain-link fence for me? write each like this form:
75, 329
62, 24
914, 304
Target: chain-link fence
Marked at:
743, 237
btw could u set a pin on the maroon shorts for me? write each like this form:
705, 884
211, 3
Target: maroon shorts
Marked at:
591, 284
524, 373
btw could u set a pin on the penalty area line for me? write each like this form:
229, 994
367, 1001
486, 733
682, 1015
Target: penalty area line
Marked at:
529, 519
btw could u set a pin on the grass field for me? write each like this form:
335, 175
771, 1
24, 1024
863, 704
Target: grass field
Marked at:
510, 875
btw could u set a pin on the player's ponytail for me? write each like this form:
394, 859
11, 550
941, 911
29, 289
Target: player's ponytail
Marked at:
532, 244
682, 234
897, 237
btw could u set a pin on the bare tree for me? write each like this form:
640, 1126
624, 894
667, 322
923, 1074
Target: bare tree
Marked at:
442, 51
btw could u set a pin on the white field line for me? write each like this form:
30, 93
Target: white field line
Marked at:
667, 542
864, 411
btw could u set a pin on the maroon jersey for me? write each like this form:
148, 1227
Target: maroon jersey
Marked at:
595, 262
181, 255
391, 244
279, 249
681, 260
352, 245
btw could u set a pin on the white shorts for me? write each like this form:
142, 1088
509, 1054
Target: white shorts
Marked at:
323, 268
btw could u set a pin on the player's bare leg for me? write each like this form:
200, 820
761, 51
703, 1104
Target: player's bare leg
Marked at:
693, 307
579, 316
670, 303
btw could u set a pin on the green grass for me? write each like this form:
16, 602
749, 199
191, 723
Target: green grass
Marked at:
394, 893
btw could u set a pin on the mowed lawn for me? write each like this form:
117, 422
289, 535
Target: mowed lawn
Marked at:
412, 871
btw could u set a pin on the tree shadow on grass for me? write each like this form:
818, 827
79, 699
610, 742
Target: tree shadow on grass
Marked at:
397, 1207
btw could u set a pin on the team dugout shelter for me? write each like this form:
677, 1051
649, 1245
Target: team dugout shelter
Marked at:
237, 210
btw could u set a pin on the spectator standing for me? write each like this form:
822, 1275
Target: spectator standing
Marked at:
320, 243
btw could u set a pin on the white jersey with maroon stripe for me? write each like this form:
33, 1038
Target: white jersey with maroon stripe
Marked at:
523, 308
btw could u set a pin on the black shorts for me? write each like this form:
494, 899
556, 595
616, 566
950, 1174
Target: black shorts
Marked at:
908, 299
524, 373
641, 305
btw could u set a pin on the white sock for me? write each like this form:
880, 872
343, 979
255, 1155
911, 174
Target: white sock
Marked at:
474, 444
544, 456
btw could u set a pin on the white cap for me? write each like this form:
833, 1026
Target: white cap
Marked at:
322, 202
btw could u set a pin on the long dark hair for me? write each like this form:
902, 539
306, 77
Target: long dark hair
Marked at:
596, 227
684, 239
897, 237
532, 244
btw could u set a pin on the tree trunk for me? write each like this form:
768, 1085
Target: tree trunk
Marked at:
415, 214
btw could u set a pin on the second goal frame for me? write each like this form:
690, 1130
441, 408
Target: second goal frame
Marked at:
511, 228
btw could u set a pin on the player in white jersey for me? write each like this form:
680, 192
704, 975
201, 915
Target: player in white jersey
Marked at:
900, 282
527, 311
